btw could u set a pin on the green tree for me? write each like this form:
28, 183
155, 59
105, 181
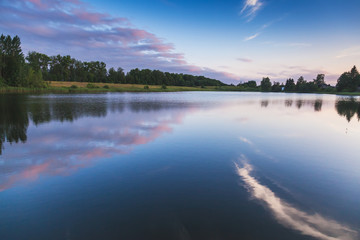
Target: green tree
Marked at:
39, 61
320, 80
349, 81
290, 85
34, 79
300, 84
252, 84
265, 85
249, 84
12, 60
276, 87
2, 57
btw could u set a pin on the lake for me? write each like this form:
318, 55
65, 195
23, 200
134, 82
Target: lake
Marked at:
189, 165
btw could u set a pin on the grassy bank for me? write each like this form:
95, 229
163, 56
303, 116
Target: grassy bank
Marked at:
85, 87
348, 93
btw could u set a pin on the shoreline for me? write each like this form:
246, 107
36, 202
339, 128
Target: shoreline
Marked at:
85, 87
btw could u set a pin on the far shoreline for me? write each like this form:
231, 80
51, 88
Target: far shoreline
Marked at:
86, 87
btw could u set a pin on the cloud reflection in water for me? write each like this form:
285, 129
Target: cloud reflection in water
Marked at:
313, 225
60, 148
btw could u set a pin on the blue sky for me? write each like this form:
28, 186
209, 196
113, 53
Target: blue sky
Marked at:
236, 40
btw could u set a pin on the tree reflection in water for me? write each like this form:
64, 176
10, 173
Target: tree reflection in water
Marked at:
80, 139
348, 108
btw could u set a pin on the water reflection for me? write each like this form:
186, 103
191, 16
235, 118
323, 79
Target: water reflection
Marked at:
313, 225
13, 120
142, 164
264, 103
72, 145
288, 102
348, 107
80, 140
17, 111
299, 103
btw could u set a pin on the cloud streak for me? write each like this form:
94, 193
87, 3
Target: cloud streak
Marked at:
250, 8
251, 37
247, 60
313, 225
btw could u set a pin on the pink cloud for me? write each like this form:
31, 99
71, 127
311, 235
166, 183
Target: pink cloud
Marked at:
38, 3
70, 27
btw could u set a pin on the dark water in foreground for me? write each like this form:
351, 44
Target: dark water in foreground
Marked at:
179, 166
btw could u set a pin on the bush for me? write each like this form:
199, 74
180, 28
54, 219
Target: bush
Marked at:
106, 86
163, 87
34, 79
74, 86
146, 87
91, 85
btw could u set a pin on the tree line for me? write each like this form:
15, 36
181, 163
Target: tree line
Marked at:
347, 82
36, 69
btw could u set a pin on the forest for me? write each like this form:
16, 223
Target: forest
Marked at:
36, 69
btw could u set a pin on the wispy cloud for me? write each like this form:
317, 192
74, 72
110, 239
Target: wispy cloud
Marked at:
250, 8
245, 140
313, 225
251, 37
247, 60
352, 51
268, 24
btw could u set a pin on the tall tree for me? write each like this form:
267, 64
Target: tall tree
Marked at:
290, 85
12, 62
320, 80
39, 62
300, 84
349, 81
265, 84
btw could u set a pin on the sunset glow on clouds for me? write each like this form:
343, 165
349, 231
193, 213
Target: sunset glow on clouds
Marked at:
278, 40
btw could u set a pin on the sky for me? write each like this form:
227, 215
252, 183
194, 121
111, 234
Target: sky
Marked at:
233, 41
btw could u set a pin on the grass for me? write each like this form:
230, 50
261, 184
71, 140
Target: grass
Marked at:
348, 93
126, 87
85, 87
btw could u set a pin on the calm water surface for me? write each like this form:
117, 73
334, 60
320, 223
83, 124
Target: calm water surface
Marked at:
179, 166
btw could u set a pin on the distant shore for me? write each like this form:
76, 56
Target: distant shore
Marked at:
86, 87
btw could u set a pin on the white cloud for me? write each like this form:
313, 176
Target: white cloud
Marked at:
313, 225
251, 37
251, 7
245, 140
